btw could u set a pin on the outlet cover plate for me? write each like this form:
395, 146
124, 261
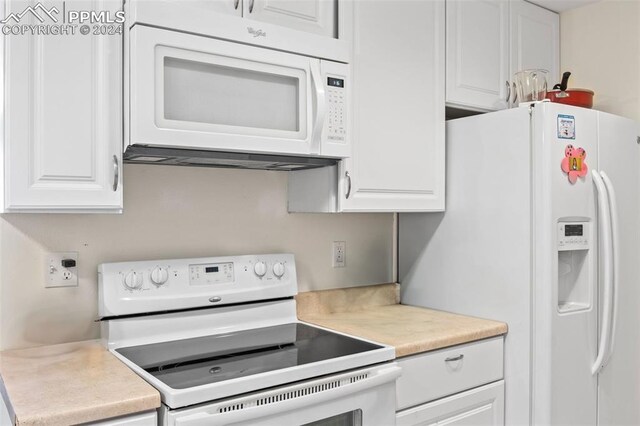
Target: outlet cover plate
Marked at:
57, 275
339, 254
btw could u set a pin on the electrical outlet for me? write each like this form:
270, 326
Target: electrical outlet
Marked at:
59, 275
339, 254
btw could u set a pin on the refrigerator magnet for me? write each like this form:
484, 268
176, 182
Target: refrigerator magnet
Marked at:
574, 164
566, 126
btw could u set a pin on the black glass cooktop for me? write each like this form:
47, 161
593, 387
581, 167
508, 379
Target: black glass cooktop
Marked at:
186, 363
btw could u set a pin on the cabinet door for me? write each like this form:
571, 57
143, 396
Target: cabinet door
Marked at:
477, 54
313, 16
482, 406
535, 39
144, 419
63, 114
397, 162
229, 7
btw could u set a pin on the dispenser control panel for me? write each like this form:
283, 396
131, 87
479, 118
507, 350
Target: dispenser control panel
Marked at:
573, 236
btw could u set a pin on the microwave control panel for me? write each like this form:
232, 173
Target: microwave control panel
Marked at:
337, 119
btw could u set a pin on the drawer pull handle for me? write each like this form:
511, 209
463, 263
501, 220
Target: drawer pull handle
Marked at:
454, 358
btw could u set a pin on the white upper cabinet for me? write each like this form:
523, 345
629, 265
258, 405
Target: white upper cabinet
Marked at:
62, 118
228, 7
535, 35
478, 54
490, 40
398, 108
313, 16
397, 159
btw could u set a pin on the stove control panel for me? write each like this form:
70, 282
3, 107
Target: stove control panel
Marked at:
127, 288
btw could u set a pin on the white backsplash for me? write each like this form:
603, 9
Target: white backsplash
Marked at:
172, 212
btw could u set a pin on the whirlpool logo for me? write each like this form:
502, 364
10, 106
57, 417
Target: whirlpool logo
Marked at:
256, 33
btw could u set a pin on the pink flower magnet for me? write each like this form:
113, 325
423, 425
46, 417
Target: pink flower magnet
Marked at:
573, 163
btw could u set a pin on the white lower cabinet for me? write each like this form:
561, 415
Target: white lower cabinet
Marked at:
478, 407
149, 418
459, 385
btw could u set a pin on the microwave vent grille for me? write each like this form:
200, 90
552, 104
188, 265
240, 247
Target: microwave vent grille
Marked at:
236, 160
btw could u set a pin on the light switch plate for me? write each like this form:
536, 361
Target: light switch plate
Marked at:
57, 275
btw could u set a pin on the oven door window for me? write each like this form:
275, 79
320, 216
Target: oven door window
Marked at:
351, 418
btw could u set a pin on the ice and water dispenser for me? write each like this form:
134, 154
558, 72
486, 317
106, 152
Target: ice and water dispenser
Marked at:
575, 274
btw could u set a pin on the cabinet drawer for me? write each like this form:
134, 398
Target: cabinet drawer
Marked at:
482, 406
436, 374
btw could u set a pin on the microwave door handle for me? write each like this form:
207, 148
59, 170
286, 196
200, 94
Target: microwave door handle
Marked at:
319, 106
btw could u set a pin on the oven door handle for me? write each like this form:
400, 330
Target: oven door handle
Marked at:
212, 415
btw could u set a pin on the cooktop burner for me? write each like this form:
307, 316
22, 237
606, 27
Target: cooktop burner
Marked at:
192, 362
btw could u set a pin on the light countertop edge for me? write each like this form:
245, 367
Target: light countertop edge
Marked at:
71, 383
374, 312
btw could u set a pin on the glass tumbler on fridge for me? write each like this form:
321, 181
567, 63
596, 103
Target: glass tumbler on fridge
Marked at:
531, 85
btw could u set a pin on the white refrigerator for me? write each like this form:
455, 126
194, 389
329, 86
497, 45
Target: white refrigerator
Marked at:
541, 231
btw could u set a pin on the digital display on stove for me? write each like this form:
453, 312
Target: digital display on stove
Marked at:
573, 230
211, 274
335, 82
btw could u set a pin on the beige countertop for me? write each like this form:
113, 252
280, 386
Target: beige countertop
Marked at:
71, 383
374, 313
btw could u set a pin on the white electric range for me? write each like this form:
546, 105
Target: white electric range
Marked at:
220, 340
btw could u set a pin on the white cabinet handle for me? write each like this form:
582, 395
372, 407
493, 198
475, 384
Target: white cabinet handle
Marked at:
346, 175
508, 91
454, 358
116, 173
251, 5
515, 94
236, 3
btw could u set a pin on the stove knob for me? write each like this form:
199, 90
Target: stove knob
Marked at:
133, 280
260, 269
278, 269
159, 275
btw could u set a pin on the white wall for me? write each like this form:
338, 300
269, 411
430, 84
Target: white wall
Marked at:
175, 212
600, 45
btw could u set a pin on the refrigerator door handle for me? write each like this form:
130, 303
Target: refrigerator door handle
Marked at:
615, 246
604, 222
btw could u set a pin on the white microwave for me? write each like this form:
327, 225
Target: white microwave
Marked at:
196, 100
